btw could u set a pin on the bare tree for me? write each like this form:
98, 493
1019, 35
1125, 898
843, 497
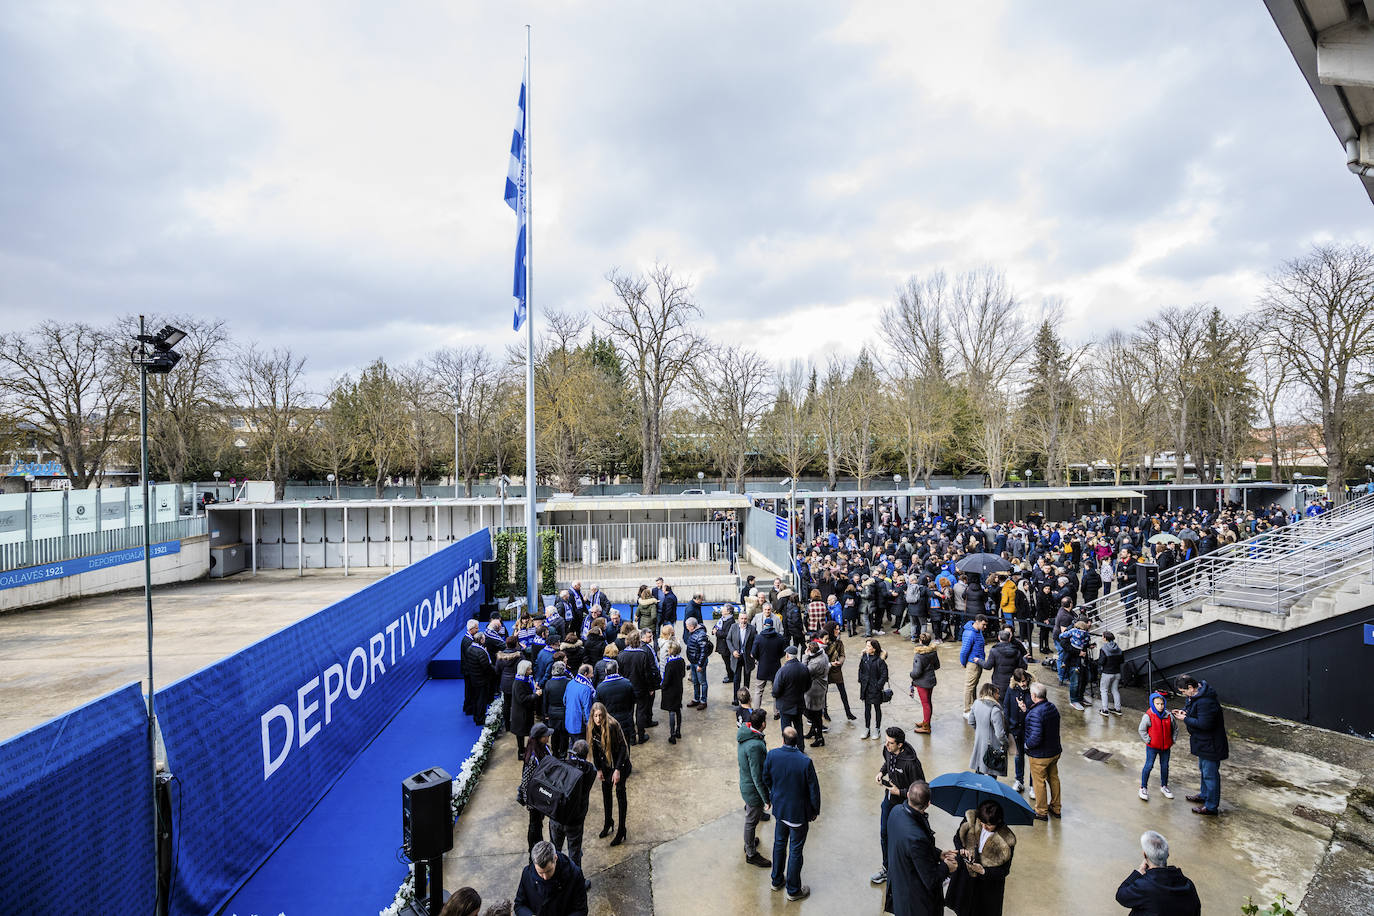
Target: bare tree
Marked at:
788, 431
994, 448
1172, 342
186, 406
916, 328
864, 403
1322, 305
832, 413
75, 387
270, 397
576, 400
988, 328
650, 325
1271, 373
469, 377
1119, 398
732, 390
422, 406
332, 442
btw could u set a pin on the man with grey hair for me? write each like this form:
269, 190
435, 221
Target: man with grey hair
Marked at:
1042, 748
551, 885
1157, 888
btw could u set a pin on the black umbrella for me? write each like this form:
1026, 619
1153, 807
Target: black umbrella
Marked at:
984, 564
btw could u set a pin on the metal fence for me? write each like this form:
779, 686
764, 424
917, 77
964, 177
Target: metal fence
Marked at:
613, 544
92, 543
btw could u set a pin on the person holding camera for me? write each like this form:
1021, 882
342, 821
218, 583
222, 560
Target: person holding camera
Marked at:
901, 767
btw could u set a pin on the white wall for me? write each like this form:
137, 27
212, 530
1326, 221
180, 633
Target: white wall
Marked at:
192, 562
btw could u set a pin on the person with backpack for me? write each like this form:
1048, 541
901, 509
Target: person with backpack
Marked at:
569, 829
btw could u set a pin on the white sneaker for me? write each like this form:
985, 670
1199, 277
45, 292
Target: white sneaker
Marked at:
1104, 712
1164, 790
1018, 786
1144, 794
1031, 792
868, 733
1077, 706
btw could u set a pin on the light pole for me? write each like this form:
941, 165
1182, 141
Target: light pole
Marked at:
154, 354
701, 476
330, 478
1029, 474
28, 483
501, 483
216, 486
457, 418
791, 512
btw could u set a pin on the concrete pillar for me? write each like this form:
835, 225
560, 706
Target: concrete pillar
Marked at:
345, 540
300, 541
253, 544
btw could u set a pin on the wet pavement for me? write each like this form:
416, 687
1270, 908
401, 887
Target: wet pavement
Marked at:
1284, 790
56, 658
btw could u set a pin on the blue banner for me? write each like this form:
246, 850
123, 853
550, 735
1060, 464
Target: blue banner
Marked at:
258, 738
30, 574
76, 802
780, 527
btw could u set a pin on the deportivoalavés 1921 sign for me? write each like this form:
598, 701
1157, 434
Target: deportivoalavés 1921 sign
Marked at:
29, 575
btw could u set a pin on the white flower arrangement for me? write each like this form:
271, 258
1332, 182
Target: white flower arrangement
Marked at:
464, 784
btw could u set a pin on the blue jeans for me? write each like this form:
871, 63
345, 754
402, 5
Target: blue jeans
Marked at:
787, 854
1150, 755
1076, 683
698, 683
1020, 765
1062, 673
1211, 783
890, 801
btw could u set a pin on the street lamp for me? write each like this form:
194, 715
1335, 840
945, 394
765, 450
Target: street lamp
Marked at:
330, 478
701, 475
896, 481
1029, 474
28, 483
216, 476
791, 513
501, 483
153, 353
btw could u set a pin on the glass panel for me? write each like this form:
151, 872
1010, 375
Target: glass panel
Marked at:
47, 515
112, 508
165, 508
135, 519
81, 511
12, 518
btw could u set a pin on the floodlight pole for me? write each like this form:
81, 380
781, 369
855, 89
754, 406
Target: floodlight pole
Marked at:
148, 596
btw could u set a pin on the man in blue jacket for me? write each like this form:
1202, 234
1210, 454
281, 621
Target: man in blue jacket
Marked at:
1156, 886
789, 777
1042, 749
551, 885
1206, 739
578, 700
667, 608
971, 656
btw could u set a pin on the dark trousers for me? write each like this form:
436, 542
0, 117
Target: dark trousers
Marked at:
844, 698
790, 718
560, 740
572, 833
621, 802
535, 833
752, 815
872, 709
744, 670
813, 717
787, 855
644, 714
890, 801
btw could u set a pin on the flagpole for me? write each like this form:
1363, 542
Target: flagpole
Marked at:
531, 522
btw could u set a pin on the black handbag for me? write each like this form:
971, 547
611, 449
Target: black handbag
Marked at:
886, 695
995, 758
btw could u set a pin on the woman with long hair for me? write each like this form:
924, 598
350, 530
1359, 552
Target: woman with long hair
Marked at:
834, 650
925, 660
611, 756
989, 731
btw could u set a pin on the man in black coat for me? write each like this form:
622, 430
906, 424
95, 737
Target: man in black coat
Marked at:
1004, 658
916, 867
789, 689
479, 680
575, 815
667, 608
638, 665
789, 778
617, 694
1206, 738
1157, 887
554, 708
551, 885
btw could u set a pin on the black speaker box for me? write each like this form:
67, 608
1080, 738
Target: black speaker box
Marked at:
488, 580
1147, 580
426, 818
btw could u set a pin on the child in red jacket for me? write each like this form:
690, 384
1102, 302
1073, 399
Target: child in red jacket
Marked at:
1157, 731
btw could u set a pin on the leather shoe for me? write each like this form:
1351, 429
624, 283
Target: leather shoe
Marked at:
1196, 799
756, 859
1202, 810
1040, 817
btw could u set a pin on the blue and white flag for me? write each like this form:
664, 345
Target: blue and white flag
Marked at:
517, 192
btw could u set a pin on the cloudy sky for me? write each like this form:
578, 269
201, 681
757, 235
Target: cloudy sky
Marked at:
329, 175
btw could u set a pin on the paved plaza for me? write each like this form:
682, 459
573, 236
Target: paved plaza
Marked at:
1285, 788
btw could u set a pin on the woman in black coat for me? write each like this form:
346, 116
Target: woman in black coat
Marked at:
872, 680
595, 644
611, 757
978, 884
506, 662
524, 701
670, 695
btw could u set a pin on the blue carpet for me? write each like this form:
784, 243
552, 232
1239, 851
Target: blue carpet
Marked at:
343, 857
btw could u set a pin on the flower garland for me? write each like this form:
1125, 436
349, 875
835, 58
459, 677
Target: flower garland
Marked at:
464, 784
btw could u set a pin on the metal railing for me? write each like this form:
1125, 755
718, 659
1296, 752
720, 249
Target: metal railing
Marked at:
1269, 572
611, 544
761, 533
92, 543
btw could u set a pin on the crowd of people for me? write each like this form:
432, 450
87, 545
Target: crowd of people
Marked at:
586, 684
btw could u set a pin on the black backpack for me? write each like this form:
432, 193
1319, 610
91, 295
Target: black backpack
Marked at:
550, 787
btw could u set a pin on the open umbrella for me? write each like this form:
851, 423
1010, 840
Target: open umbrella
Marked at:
1165, 537
1188, 534
984, 564
956, 793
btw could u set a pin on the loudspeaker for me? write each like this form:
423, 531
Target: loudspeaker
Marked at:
426, 818
1147, 581
488, 580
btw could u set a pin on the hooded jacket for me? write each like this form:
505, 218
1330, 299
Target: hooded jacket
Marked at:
1206, 725
1157, 731
750, 753
924, 662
